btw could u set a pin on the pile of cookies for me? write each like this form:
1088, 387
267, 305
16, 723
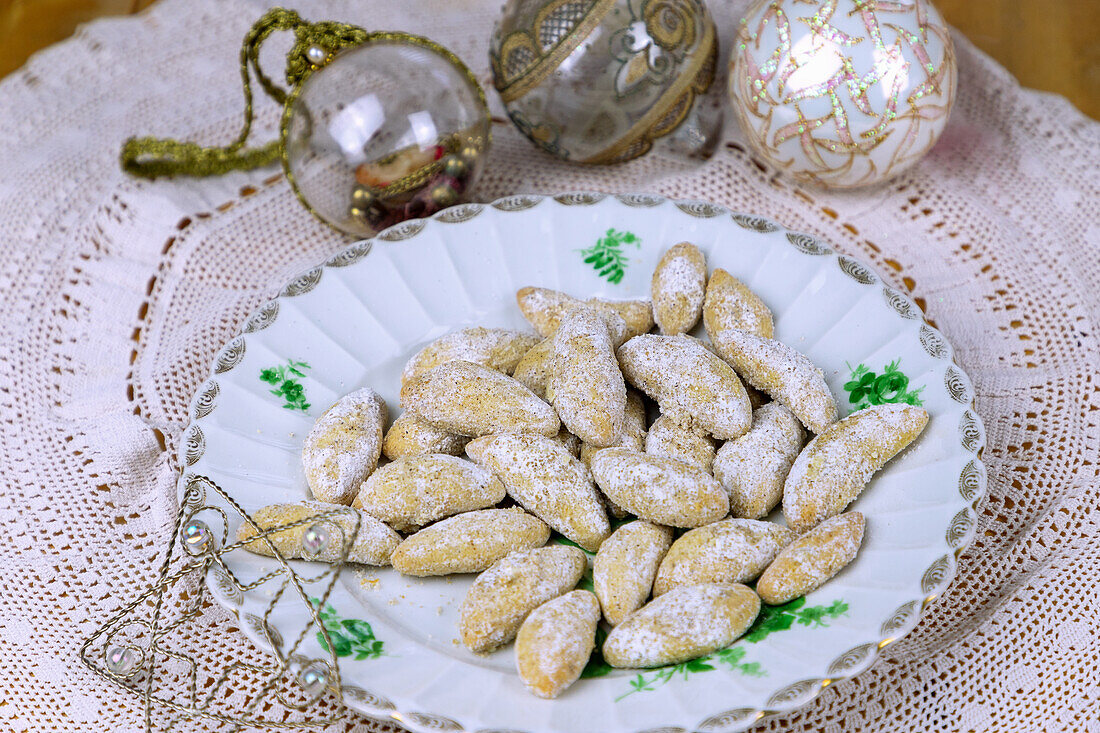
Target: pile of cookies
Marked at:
507, 436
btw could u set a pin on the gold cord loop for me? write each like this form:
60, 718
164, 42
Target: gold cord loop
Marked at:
149, 157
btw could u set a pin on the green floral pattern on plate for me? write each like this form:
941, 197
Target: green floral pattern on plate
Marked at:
607, 256
285, 380
350, 636
866, 388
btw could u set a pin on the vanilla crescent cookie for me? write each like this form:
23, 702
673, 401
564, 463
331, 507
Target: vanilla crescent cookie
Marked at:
634, 432
413, 491
812, 559
682, 624
730, 551
662, 490
834, 467
678, 288
571, 442
544, 478
754, 467
469, 399
514, 586
533, 370
670, 440
785, 374
544, 308
373, 544
625, 565
411, 436
469, 542
588, 390
343, 446
495, 348
554, 643
693, 386
730, 304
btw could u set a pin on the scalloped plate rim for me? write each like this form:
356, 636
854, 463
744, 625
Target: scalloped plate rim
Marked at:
585, 198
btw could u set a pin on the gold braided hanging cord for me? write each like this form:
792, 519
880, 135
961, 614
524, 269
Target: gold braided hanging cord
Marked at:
150, 157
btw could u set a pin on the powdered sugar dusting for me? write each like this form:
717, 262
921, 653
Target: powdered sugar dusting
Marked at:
730, 551
343, 446
411, 492
669, 440
662, 490
625, 566
834, 467
544, 309
469, 542
495, 348
812, 559
730, 304
533, 370
693, 386
411, 436
588, 389
634, 429
554, 643
678, 287
502, 596
754, 467
787, 375
685, 623
373, 544
469, 399
542, 476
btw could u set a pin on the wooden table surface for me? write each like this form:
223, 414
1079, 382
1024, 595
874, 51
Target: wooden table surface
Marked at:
1046, 44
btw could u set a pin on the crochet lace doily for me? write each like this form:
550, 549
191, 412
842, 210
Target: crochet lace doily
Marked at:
118, 292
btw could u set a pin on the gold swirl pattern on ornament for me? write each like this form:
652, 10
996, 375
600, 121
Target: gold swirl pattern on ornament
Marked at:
669, 110
749, 81
542, 62
669, 24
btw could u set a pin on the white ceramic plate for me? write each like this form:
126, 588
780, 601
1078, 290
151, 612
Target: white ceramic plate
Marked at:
355, 321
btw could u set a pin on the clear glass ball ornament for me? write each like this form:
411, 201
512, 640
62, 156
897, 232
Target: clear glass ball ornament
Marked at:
392, 129
842, 93
605, 81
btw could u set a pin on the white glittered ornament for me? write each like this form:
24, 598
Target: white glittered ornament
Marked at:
842, 93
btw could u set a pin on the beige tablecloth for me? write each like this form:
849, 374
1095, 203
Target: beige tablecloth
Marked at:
116, 294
